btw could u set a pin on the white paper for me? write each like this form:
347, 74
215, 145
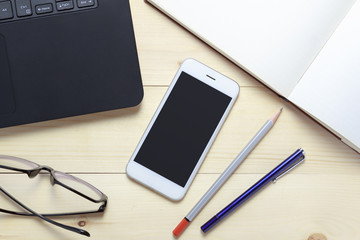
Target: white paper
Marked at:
330, 88
274, 40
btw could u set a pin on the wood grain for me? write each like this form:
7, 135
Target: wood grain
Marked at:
293, 208
321, 196
104, 142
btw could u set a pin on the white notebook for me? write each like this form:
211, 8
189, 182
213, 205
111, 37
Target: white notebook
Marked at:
307, 51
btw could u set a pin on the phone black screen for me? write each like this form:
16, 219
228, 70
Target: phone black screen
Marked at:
182, 129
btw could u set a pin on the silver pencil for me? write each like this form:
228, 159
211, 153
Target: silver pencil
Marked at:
226, 174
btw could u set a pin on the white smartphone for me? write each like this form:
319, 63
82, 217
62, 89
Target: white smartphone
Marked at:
182, 129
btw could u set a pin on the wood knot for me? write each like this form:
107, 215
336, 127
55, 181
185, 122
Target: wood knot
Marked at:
317, 236
82, 223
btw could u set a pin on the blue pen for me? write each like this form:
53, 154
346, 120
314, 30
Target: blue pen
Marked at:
291, 162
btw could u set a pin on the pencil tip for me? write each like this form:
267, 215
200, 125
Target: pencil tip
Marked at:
276, 116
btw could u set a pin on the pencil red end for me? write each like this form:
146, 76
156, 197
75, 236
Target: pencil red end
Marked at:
180, 227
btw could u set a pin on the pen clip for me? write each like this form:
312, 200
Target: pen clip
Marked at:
289, 168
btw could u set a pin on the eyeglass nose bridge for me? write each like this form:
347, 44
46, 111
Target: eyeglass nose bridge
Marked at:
34, 172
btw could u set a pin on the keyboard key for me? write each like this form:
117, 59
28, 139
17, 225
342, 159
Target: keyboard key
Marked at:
85, 3
6, 10
44, 8
23, 8
64, 5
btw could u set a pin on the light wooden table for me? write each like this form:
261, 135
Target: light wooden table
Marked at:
321, 196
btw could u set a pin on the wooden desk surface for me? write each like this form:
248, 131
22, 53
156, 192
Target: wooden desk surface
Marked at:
321, 196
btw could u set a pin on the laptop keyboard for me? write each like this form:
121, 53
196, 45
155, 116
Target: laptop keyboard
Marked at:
13, 10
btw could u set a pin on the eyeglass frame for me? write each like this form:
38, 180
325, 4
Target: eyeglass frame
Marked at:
32, 173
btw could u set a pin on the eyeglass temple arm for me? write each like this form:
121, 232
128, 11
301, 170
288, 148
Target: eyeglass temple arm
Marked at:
73, 229
15, 169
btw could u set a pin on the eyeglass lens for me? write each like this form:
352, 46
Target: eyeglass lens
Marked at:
18, 163
73, 182
78, 185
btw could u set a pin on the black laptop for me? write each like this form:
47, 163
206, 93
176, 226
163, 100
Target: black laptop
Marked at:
61, 58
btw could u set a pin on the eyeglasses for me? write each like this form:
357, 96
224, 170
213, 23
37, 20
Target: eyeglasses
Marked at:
74, 184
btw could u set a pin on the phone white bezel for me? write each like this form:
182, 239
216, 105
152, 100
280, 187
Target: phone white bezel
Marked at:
157, 182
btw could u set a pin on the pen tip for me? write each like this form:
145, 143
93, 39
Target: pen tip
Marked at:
281, 109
